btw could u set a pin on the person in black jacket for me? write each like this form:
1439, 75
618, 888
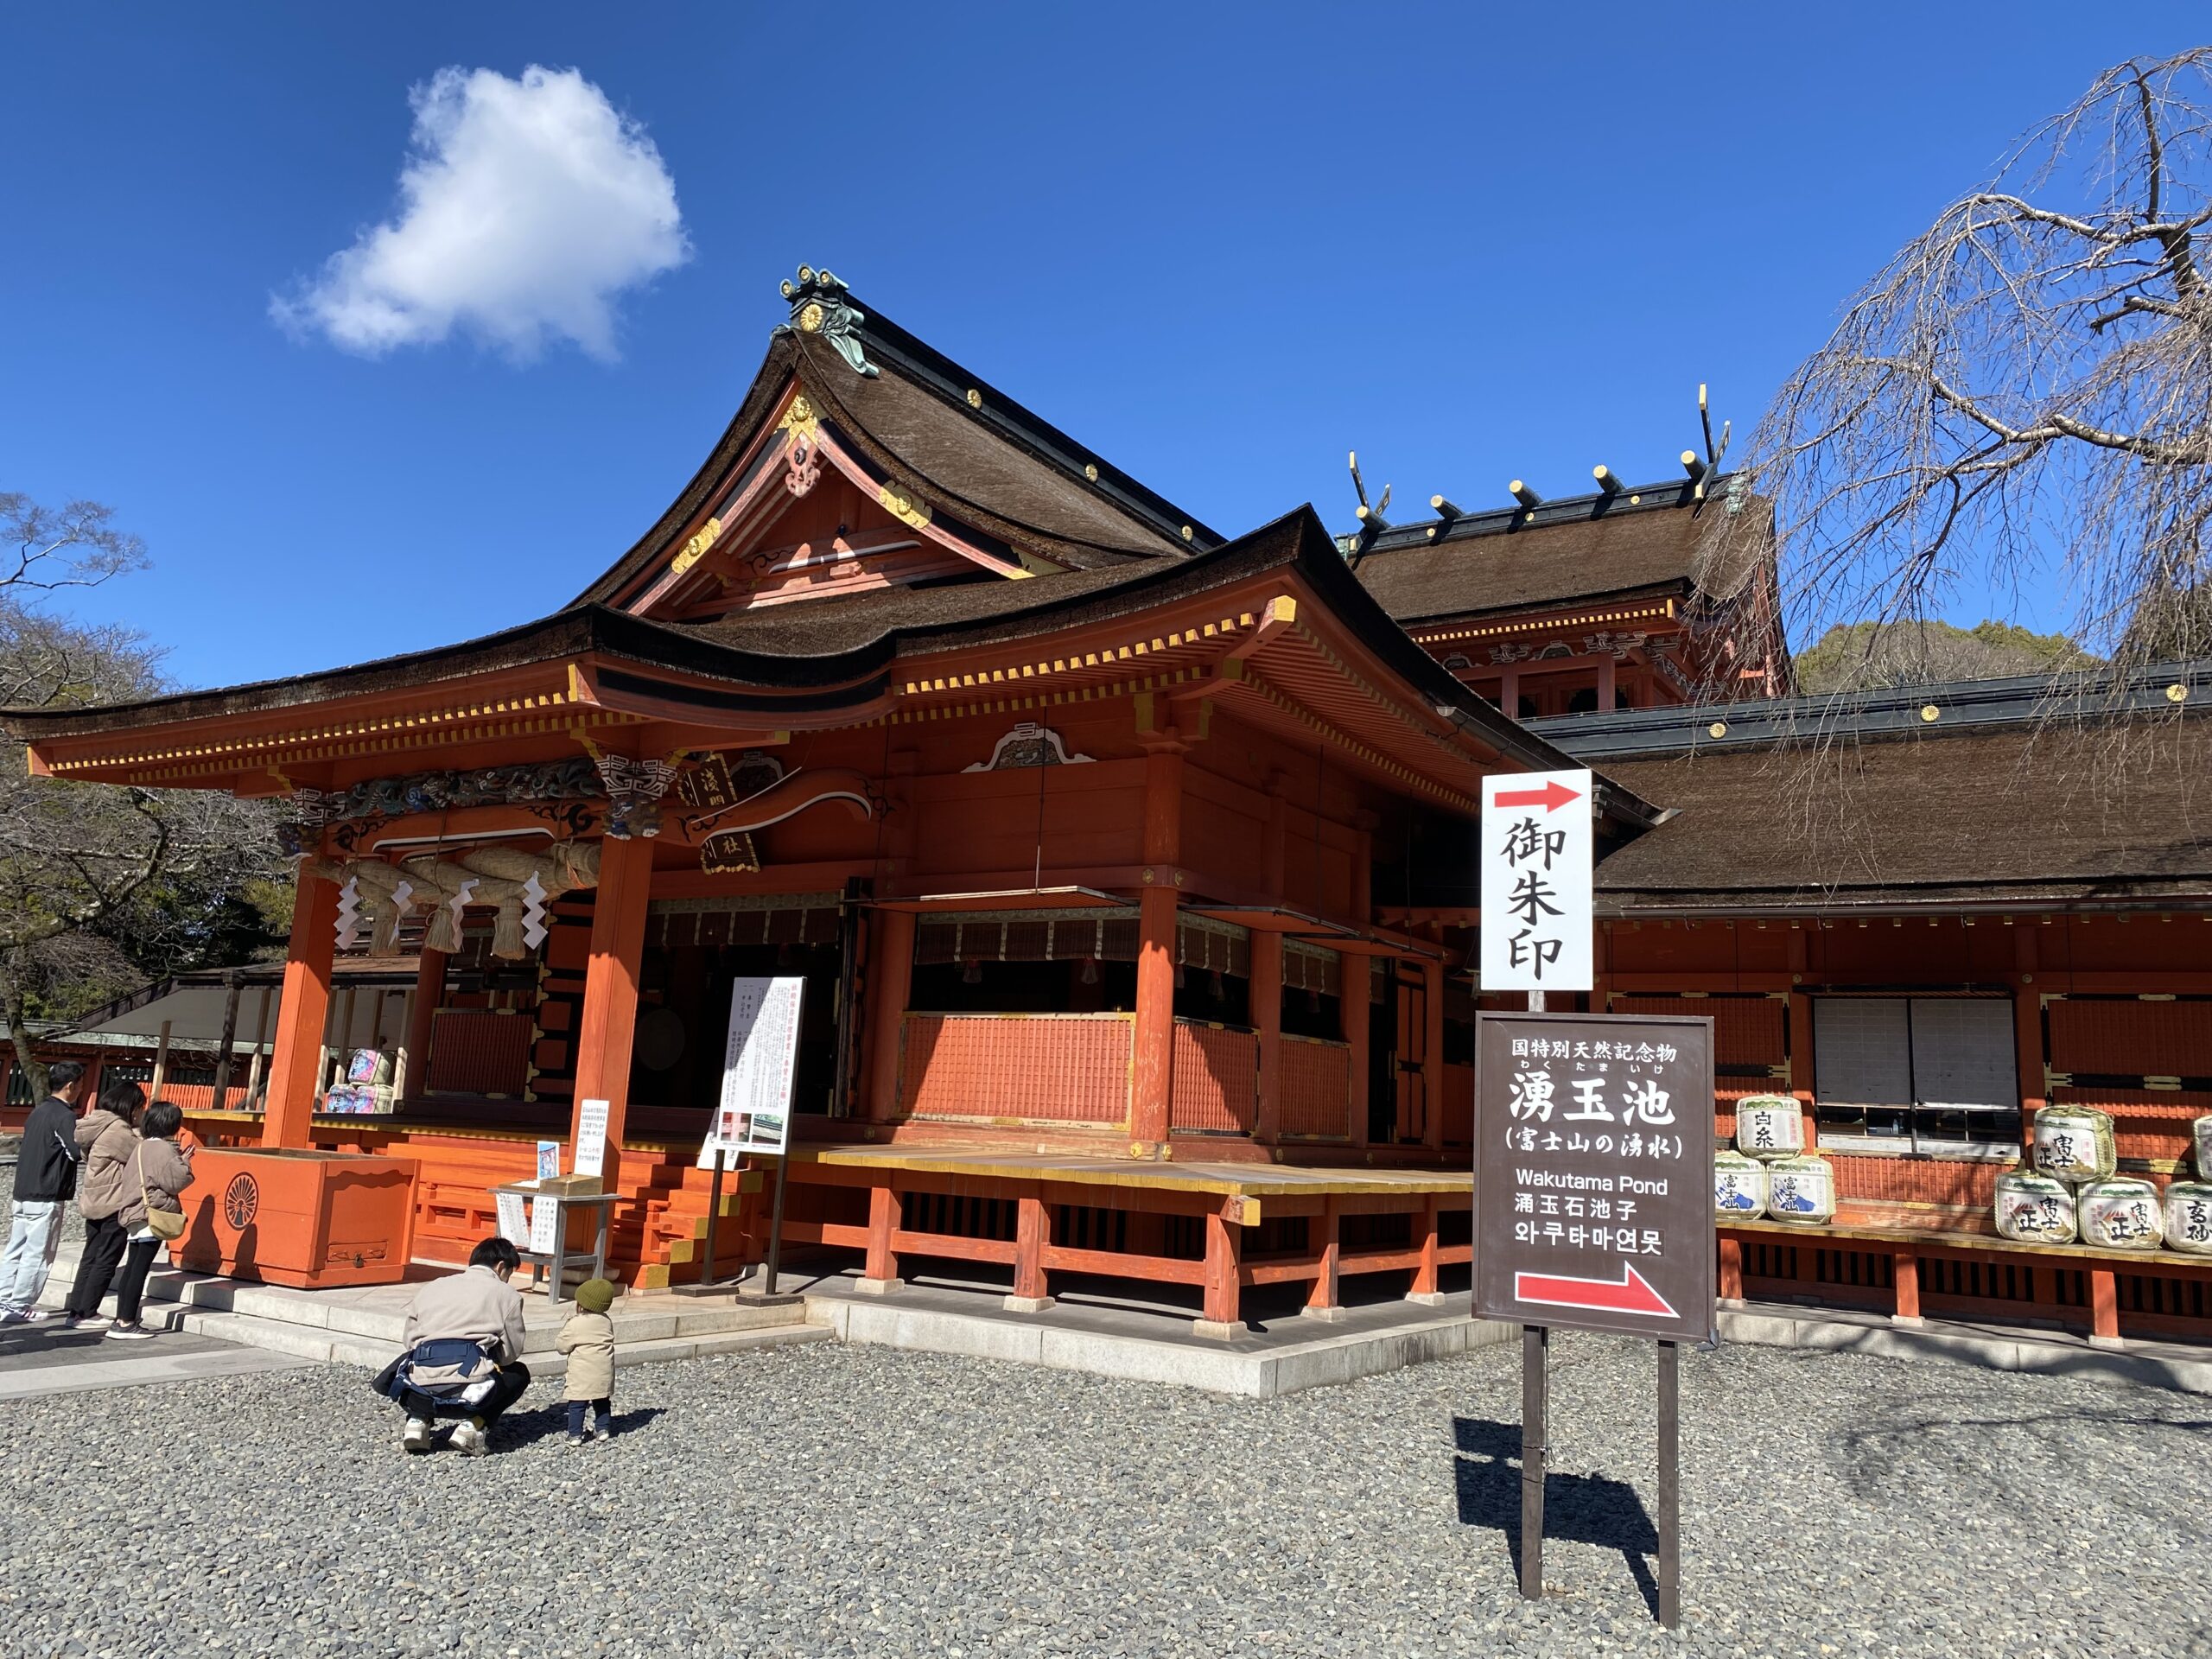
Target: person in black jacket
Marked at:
45, 1180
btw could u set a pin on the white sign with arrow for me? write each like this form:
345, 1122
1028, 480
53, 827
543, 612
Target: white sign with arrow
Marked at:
1536, 881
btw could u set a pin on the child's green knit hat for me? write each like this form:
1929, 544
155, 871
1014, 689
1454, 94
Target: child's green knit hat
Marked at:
596, 1295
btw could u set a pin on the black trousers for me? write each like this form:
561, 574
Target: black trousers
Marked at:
506, 1389
131, 1288
105, 1240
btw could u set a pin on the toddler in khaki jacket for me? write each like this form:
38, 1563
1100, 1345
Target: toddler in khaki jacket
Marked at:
588, 1341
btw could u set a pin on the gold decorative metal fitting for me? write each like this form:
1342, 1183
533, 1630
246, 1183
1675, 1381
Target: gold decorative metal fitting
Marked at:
903, 507
1929, 711
696, 548
2176, 693
975, 398
1718, 728
810, 318
1188, 532
1090, 471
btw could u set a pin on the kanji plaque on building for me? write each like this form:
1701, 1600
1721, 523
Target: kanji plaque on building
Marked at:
1594, 1173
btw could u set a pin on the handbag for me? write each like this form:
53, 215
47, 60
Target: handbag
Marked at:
165, 1224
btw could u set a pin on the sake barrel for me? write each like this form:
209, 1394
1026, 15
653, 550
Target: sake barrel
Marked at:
1769, 1126
2188, 1216
1801, 1189
2202, 1128
2075, 1143
2120, 1213
1739, 1187
2034, 1209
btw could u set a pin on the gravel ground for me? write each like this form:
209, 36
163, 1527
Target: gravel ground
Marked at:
830, 1500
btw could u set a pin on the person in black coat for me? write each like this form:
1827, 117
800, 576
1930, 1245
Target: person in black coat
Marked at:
45, 1180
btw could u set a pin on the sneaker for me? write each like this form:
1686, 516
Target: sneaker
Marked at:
122, 1332
602, 1433
29, 1316
86, 1321
575, 1439
470, 1440
14, 1316
415, 1437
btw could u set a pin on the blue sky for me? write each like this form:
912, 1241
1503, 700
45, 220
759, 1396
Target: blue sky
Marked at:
1221, 245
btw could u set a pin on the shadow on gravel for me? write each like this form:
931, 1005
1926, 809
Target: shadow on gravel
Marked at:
1578, 1509
520, 1429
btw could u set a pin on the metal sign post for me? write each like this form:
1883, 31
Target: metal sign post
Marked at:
1593, 1211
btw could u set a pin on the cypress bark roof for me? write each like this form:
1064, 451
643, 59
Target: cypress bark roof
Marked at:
1565, 552
2111, 807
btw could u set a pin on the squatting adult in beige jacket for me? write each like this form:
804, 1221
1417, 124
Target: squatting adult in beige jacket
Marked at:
474, 1305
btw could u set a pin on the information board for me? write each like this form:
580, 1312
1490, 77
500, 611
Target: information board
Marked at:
591, 1138
1534, 868
1594, 1173
758, 1065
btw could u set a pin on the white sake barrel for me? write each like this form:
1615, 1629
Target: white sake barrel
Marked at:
2203, 1130
1769, 1126
2075, 1143
1801, 1189
2188, 1216
2120, 1214
2034, 1209
1739, 1187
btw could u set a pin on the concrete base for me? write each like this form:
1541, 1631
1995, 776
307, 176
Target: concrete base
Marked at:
1028, 1303
1908, 1321
2181, 1366
1326, 1315
1215, 1330
1426, 1297
878, 1287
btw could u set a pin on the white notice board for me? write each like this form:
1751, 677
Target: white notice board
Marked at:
1536, 881
758, 1068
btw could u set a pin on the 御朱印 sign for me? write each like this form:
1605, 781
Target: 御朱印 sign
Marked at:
1535, 870
1594, 1173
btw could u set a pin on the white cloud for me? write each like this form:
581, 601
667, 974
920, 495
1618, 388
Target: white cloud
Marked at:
525, 208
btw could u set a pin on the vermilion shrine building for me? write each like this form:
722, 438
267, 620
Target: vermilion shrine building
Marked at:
1129, 865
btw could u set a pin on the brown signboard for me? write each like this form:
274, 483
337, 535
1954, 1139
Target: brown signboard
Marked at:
1594, 1173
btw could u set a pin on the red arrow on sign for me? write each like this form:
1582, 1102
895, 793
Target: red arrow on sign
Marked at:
1631, 1293
1553, 796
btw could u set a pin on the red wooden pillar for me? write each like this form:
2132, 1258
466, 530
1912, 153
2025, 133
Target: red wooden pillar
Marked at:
1906, 1268
1032, 1234
2104, 1308
1224, 1244
1607, 672
1424, 1284
608, 1024
1432, 984
882, 1269
1267, 1029
295, 1067
1353, 1009
1731, 1269
430, 991
1153, 1071
1322, 1302
891, 976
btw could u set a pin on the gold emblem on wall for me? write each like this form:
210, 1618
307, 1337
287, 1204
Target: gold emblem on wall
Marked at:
730, 853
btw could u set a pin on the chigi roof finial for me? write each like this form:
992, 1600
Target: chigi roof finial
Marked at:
821, 306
